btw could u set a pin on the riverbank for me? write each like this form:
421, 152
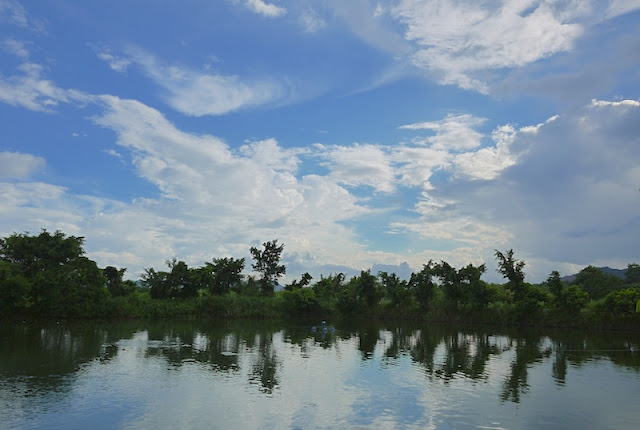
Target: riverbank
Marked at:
287, 304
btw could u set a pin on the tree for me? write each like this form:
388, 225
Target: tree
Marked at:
596, 282
267, 263
224, 273
395, 289
329, 287
511, 269
115, 283
422, 286
554, 284
475, 291
448, 277
633, 273
53, 272
365, 287
305, 279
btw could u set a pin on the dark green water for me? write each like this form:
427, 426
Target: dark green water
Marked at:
172, 374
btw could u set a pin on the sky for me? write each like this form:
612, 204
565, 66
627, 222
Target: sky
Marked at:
361, 134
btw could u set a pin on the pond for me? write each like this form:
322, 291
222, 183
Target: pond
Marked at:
272, 375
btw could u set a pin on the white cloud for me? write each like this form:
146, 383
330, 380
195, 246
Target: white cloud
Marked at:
113, 153
14, 13
267, 9
18, 165
311, 21
31, 91
456, 39
116, 63
603, 103
621, 7
455, 132
363, 20
199, 93
487, 163
15, 47
572, 195
359, 164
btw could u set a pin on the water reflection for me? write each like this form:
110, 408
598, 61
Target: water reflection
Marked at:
41, 361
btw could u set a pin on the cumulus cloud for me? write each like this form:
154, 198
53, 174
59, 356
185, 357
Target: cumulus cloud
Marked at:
359, 164
18, 165
570, 198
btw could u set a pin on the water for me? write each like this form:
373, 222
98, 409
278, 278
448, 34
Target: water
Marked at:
244, 375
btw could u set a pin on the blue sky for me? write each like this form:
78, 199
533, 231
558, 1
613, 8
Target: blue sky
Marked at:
360, 134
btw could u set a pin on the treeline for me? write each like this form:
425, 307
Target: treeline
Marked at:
48, 275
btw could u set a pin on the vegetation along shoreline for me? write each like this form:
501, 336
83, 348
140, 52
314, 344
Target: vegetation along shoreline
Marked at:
48, 276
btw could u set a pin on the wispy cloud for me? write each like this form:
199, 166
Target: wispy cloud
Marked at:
117, 63
29, 89
198, 93
14, 13
18, 165
455, 132
16, 48
263, 8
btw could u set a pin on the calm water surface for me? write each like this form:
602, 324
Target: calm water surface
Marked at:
155, 375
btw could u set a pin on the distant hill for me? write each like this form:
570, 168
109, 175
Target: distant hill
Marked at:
620, 273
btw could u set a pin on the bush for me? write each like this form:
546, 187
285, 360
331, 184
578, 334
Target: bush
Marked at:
299, 301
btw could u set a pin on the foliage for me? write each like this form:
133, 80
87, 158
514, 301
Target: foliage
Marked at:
299, 301
632, 275
366, 288
596, 282
49, 275
267, 263
303, 282
512, 269
422, 286
329, 287
221, 275
622, 302
572, 299
555, 284
395, 289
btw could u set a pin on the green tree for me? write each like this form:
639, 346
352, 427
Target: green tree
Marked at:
366, 287
422, 286
329, 287
267, 263
596, 282
448, 276
224, 273
622, 302
512, 269
632, 275
395, 289
156, 282
475, 291
15, 289
554, 284
115, 283
61, 280
305, 279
